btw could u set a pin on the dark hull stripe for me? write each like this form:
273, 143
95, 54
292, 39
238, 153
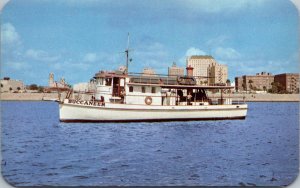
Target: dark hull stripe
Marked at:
150, 120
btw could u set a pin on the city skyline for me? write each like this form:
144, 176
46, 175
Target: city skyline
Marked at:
75, 39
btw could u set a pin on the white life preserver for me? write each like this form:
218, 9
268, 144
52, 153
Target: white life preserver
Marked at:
148, 100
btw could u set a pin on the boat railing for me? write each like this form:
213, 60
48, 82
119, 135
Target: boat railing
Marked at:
153, 79
168, 100
176, 100
234, 99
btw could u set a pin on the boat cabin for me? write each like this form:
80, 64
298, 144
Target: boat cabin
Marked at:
117, 87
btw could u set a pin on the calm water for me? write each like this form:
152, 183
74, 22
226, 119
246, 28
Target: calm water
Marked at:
38, 150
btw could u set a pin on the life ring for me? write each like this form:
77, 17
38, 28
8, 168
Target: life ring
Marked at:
179, 79
148, 100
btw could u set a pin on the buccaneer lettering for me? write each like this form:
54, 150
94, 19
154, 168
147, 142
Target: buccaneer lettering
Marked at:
88, 103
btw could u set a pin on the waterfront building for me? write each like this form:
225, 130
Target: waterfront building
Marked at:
200, 63
175, 71
81, 87
148, 72
85, 86
217, 74
287, 82
259, 82
9, 85
54, 86
207, 70
238, 84
52, 83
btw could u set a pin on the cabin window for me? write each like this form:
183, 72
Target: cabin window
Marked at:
131, 89
153, 90
108, 81
100, 81
143, 89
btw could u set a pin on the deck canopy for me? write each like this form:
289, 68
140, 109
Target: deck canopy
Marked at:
165, 80
175, 82
180, 82
183, 86
109, 74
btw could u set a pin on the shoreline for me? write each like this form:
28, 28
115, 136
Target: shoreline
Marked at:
248, 97
28, 96
266, 97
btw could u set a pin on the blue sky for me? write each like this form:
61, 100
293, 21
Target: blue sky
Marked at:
75, 39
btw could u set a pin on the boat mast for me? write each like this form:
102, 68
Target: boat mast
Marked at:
127, 55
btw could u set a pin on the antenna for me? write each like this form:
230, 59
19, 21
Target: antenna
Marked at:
128, 41
127, 55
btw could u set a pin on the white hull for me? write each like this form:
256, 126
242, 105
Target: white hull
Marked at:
70, 112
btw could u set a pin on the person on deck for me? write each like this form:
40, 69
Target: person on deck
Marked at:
168, 97
189, 99
122, 95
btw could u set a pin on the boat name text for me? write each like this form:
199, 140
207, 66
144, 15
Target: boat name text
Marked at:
89, 103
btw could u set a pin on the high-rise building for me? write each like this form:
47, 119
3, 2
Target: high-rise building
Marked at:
239, 84
217, 74
175, 71
287, 82
200, 64
207, 70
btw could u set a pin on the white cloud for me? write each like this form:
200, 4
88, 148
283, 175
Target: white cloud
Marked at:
215, 6
251, 67
16, 65
90, 57
227, 53
218, 41
296, 3
70, 63
9, 36
153, 55
210, 6
2, 4
191, 51
194, 51
152, 50
41, 55
57, 66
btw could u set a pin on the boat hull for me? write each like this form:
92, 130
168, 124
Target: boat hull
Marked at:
140, 113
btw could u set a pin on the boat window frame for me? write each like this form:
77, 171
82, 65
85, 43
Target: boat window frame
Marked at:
130, 89
100, 81
108, 81
153, 90
143, 88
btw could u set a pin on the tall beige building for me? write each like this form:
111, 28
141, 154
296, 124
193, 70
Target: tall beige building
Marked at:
52, 83
205, 66
217, 74
175, 71
148, 72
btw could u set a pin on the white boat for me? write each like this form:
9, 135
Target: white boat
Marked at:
121, 97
